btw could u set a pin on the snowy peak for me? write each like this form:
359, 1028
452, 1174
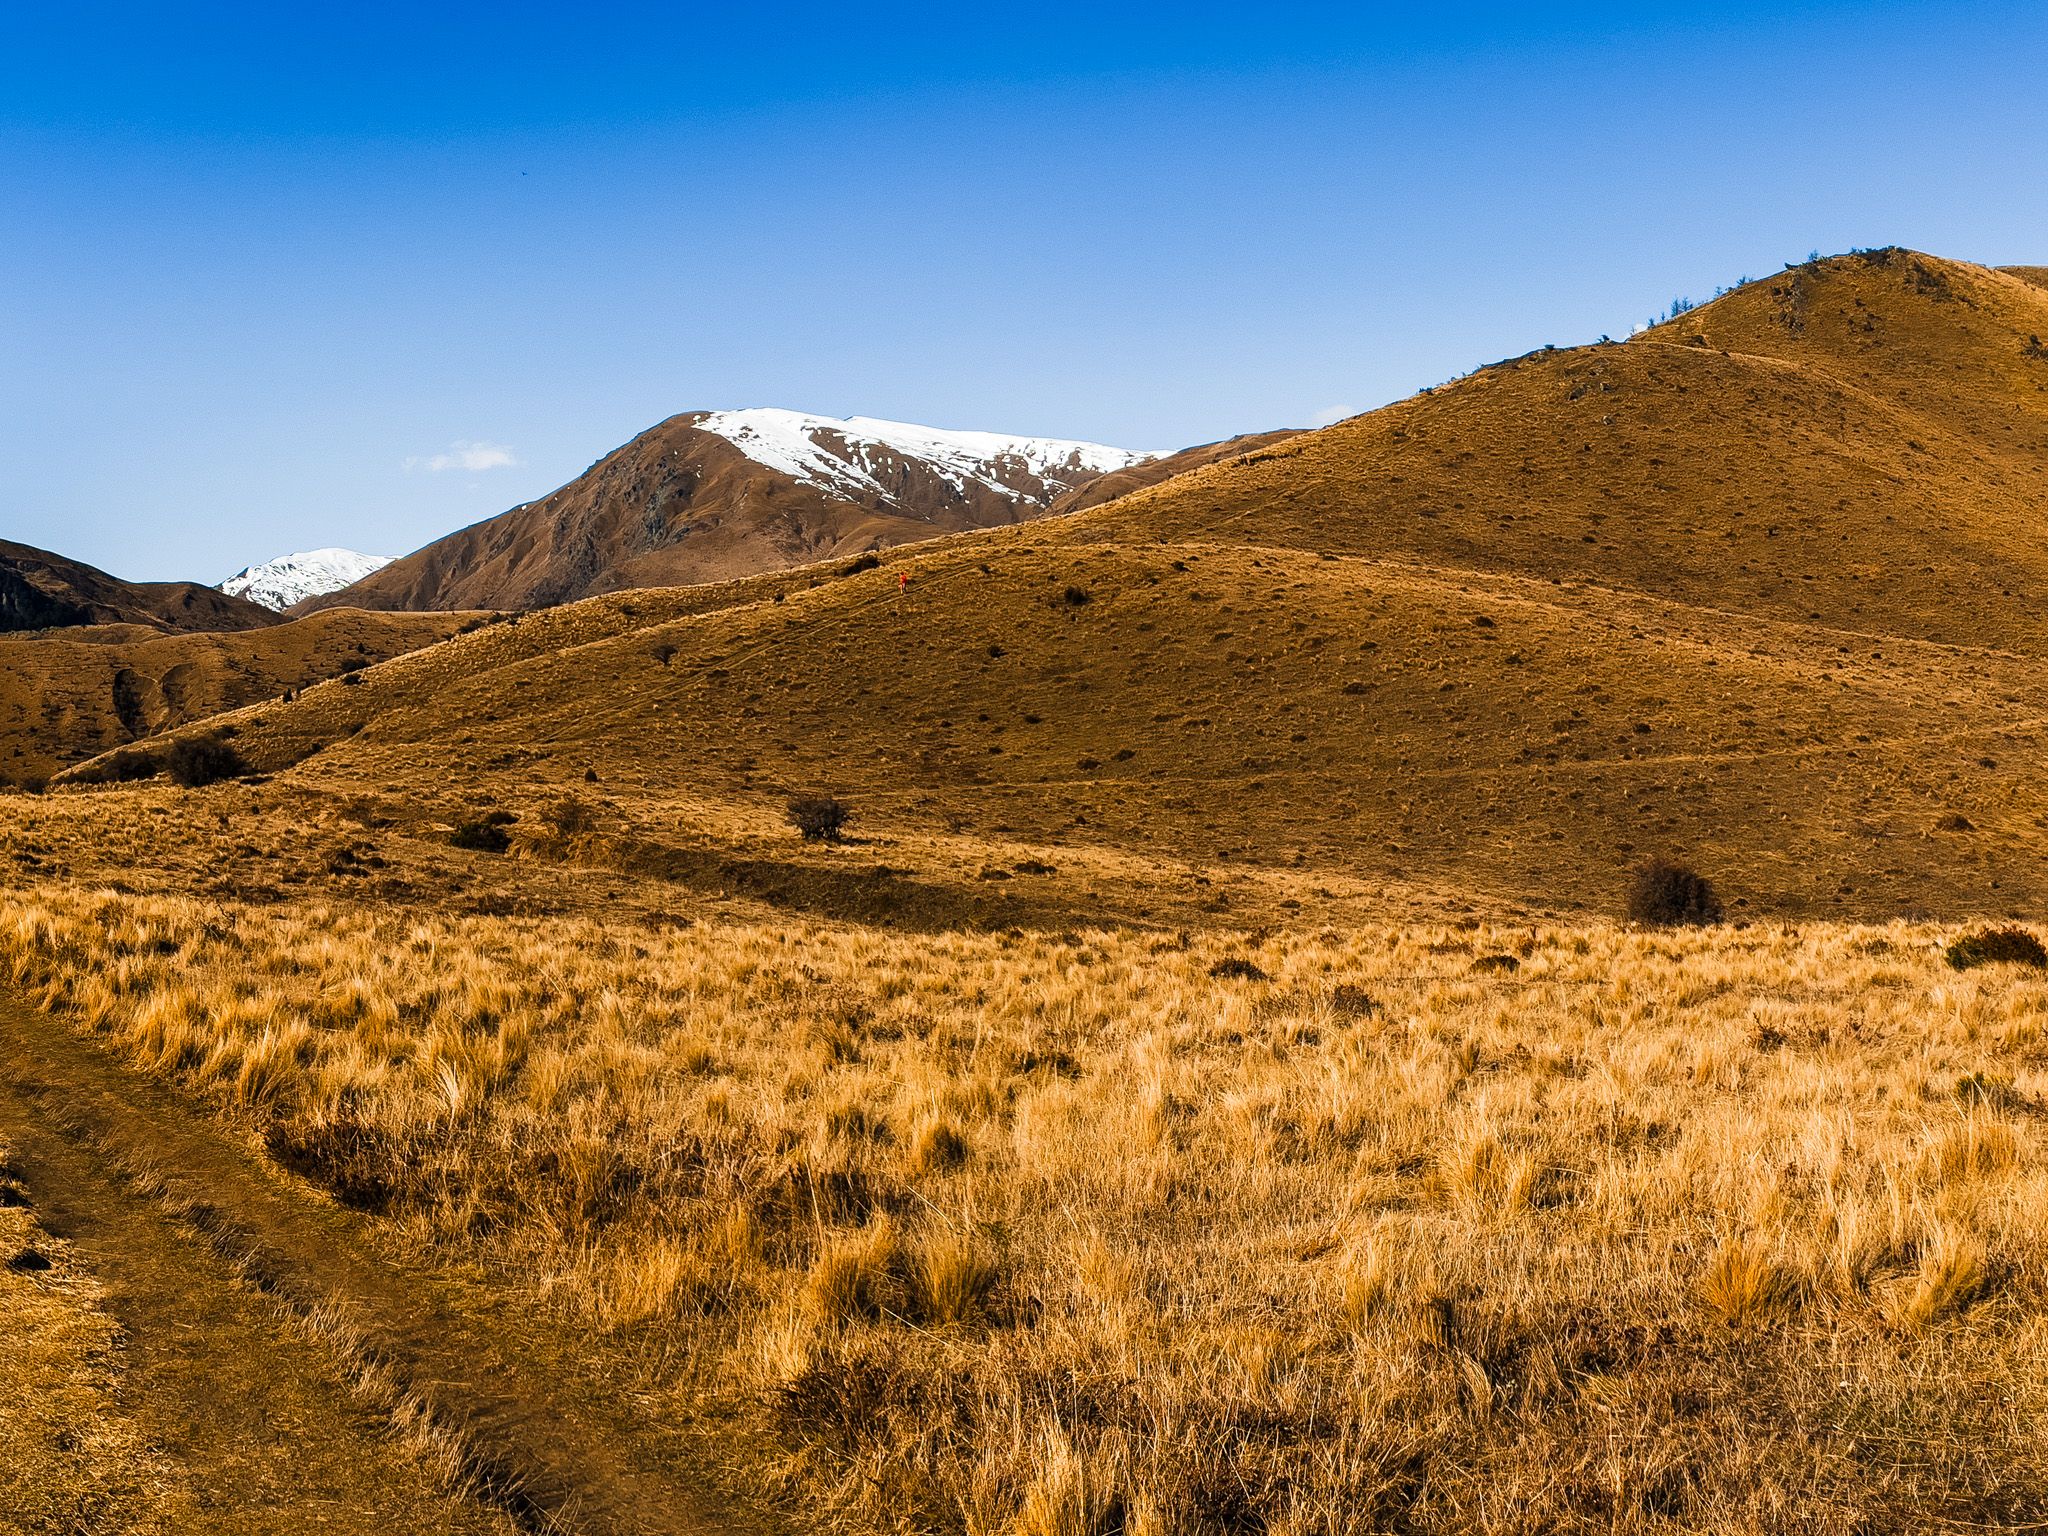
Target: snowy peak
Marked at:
862, 458
291, 579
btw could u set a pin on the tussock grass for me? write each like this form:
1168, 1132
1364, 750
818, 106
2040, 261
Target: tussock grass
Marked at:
1721, 1229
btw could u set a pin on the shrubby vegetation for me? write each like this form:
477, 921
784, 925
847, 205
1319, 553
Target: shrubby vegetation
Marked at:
819, 818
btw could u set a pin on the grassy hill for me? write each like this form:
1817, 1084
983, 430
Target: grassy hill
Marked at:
68, 694
1776, 612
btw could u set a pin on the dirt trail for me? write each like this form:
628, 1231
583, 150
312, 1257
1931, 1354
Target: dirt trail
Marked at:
117, 1164
245, 1410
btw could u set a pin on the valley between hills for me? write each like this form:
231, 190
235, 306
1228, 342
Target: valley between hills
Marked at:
1213, 1081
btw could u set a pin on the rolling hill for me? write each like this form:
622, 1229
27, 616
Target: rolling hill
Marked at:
1762, 588
39, 590
713, 495
69, 694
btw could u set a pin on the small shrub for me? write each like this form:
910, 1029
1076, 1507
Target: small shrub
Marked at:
1237, 968
1996, 946
1076, 597
569, 818
195, 761
123, 767
486, 834
1667, 895
820, 818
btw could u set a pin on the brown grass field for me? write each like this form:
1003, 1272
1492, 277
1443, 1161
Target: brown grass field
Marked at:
1420, 1227
1212, 1088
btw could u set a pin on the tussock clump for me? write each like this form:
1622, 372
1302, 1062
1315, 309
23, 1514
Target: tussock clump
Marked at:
196, 761
951, 1278
486, 834
1664, 894
1952, 1273
1237, 968
857, 1275
818, 818
1996, 946
938, 1147
1744, 1286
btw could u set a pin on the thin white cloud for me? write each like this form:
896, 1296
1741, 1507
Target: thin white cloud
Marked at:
1330, 415
470, 458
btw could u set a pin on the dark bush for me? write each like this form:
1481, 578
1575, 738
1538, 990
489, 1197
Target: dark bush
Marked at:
1996, 946
196, 761
122, 767
820, 818
1078, 596
484, 835
861, 563
1237, 968
1668, 895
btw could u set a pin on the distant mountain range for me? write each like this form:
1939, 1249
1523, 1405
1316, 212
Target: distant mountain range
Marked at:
278, 584
711, 495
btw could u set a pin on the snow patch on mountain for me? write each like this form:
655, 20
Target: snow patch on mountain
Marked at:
844, 456
292, 579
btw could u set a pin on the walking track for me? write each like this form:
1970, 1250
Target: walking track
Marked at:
281, 1348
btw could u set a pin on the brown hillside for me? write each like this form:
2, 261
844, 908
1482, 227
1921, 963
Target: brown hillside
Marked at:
1491, 643
1812, 472
678, 506
66, 696
1376, 726
39, 590
1138, 477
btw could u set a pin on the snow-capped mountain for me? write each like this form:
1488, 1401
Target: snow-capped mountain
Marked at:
861, 456
714, 495
291, 579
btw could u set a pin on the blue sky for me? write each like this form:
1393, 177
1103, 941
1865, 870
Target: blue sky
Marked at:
277, 277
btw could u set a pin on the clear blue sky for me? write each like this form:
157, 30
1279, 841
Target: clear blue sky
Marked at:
263, 267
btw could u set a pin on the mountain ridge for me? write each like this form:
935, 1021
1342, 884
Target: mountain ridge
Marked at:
717, 495
290, 579
41, 590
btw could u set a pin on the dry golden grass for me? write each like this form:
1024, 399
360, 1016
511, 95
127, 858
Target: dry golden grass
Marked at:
1734, 1230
